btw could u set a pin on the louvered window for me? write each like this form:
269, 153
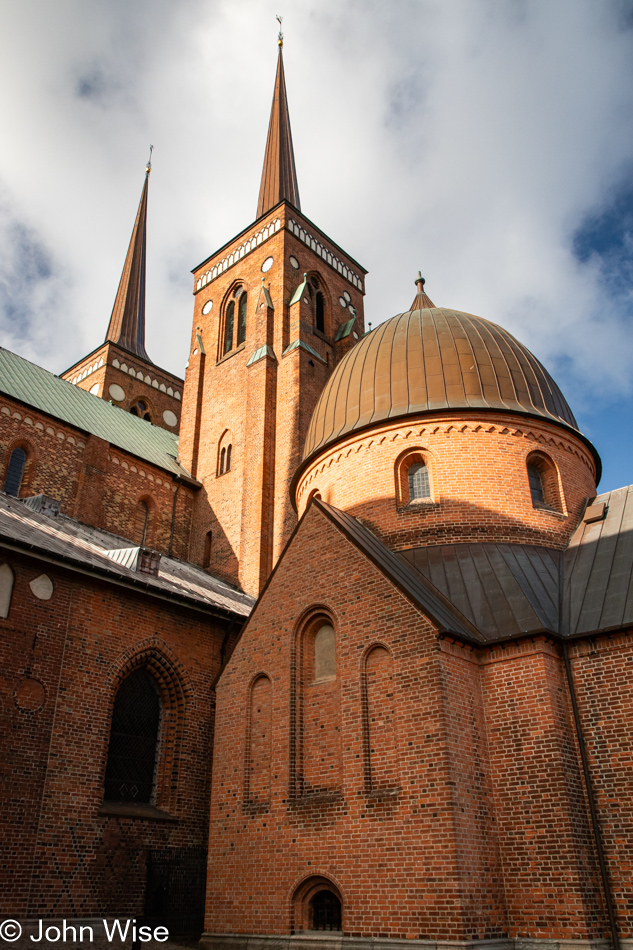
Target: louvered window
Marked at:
419, 482
15, 471
133, 740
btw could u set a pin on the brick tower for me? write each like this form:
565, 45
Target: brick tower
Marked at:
120, 370
275, 310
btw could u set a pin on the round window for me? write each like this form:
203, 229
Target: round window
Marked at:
347, 296
170, 417
116, 392
207, 307
294, 262
268, 263
342, 301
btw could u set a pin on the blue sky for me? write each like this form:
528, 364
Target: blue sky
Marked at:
488, 144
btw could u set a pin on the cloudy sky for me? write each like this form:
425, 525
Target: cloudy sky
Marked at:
488, 143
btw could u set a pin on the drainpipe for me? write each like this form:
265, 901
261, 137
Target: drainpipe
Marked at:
173, 513
604, 873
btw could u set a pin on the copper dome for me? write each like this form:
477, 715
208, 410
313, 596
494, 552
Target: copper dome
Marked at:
429, 360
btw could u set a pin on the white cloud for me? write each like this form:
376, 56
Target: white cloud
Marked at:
470, 140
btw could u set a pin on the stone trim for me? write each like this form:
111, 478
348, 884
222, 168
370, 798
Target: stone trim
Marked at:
332, 941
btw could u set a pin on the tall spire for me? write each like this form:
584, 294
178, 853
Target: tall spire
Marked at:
127, 323
421, 301
279, 177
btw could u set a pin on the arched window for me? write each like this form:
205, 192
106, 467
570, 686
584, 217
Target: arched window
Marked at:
208, 544
419, 482
15, 471
259, 743
413, 478
536, 485
320, 312
229, 320
544, 482
141, 409
324, 653
325, 911
379, 726
133, 740
241, 325
225, 452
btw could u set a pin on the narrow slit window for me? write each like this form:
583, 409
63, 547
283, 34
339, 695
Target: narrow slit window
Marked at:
222, 462
229, 452
419, 482
320, 312
15, 471
208, 545
228, 327
241, 326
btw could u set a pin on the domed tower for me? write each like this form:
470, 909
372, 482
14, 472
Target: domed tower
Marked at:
440, 427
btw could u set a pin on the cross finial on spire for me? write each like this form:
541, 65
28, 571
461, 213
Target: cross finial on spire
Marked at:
148, 167
280, 36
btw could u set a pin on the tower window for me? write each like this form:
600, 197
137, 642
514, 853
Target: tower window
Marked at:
320, 312
15, 471
141, 409
536, 485
325, 908
228, 327
133, 740
419, 482
241, 325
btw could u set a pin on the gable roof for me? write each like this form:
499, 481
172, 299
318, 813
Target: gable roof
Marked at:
40, 389
414, 585
505, 590
71, 544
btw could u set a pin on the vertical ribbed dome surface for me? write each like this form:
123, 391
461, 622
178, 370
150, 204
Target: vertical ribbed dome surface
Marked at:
427, 361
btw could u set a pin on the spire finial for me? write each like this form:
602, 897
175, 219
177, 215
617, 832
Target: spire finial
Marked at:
148, 167
280, 36
279, 175
421, 301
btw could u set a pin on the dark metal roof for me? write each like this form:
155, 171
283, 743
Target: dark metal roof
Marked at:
414, 585
36, 387
279, 175
598, 593
428, 360
505, 590
67, 542
127, 323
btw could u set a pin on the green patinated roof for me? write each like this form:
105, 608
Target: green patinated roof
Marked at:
344, 330
36, 387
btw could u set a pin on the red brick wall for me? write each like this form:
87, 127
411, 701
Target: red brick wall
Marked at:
479, 483
160, 391
268, 405
61, 661
402, 859
98, 484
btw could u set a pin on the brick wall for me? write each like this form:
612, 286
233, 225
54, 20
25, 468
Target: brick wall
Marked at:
266, 406
479, 483
98, 484
61, 661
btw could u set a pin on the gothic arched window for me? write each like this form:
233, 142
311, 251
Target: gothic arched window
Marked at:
536, 485
229, 320
140, 408
133, 740
320, 312
15, 471
241, 323
325, 911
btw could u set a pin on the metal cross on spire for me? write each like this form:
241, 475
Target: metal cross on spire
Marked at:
148, 167
280, 36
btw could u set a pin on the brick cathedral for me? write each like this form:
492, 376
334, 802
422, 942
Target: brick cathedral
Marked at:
330, 641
